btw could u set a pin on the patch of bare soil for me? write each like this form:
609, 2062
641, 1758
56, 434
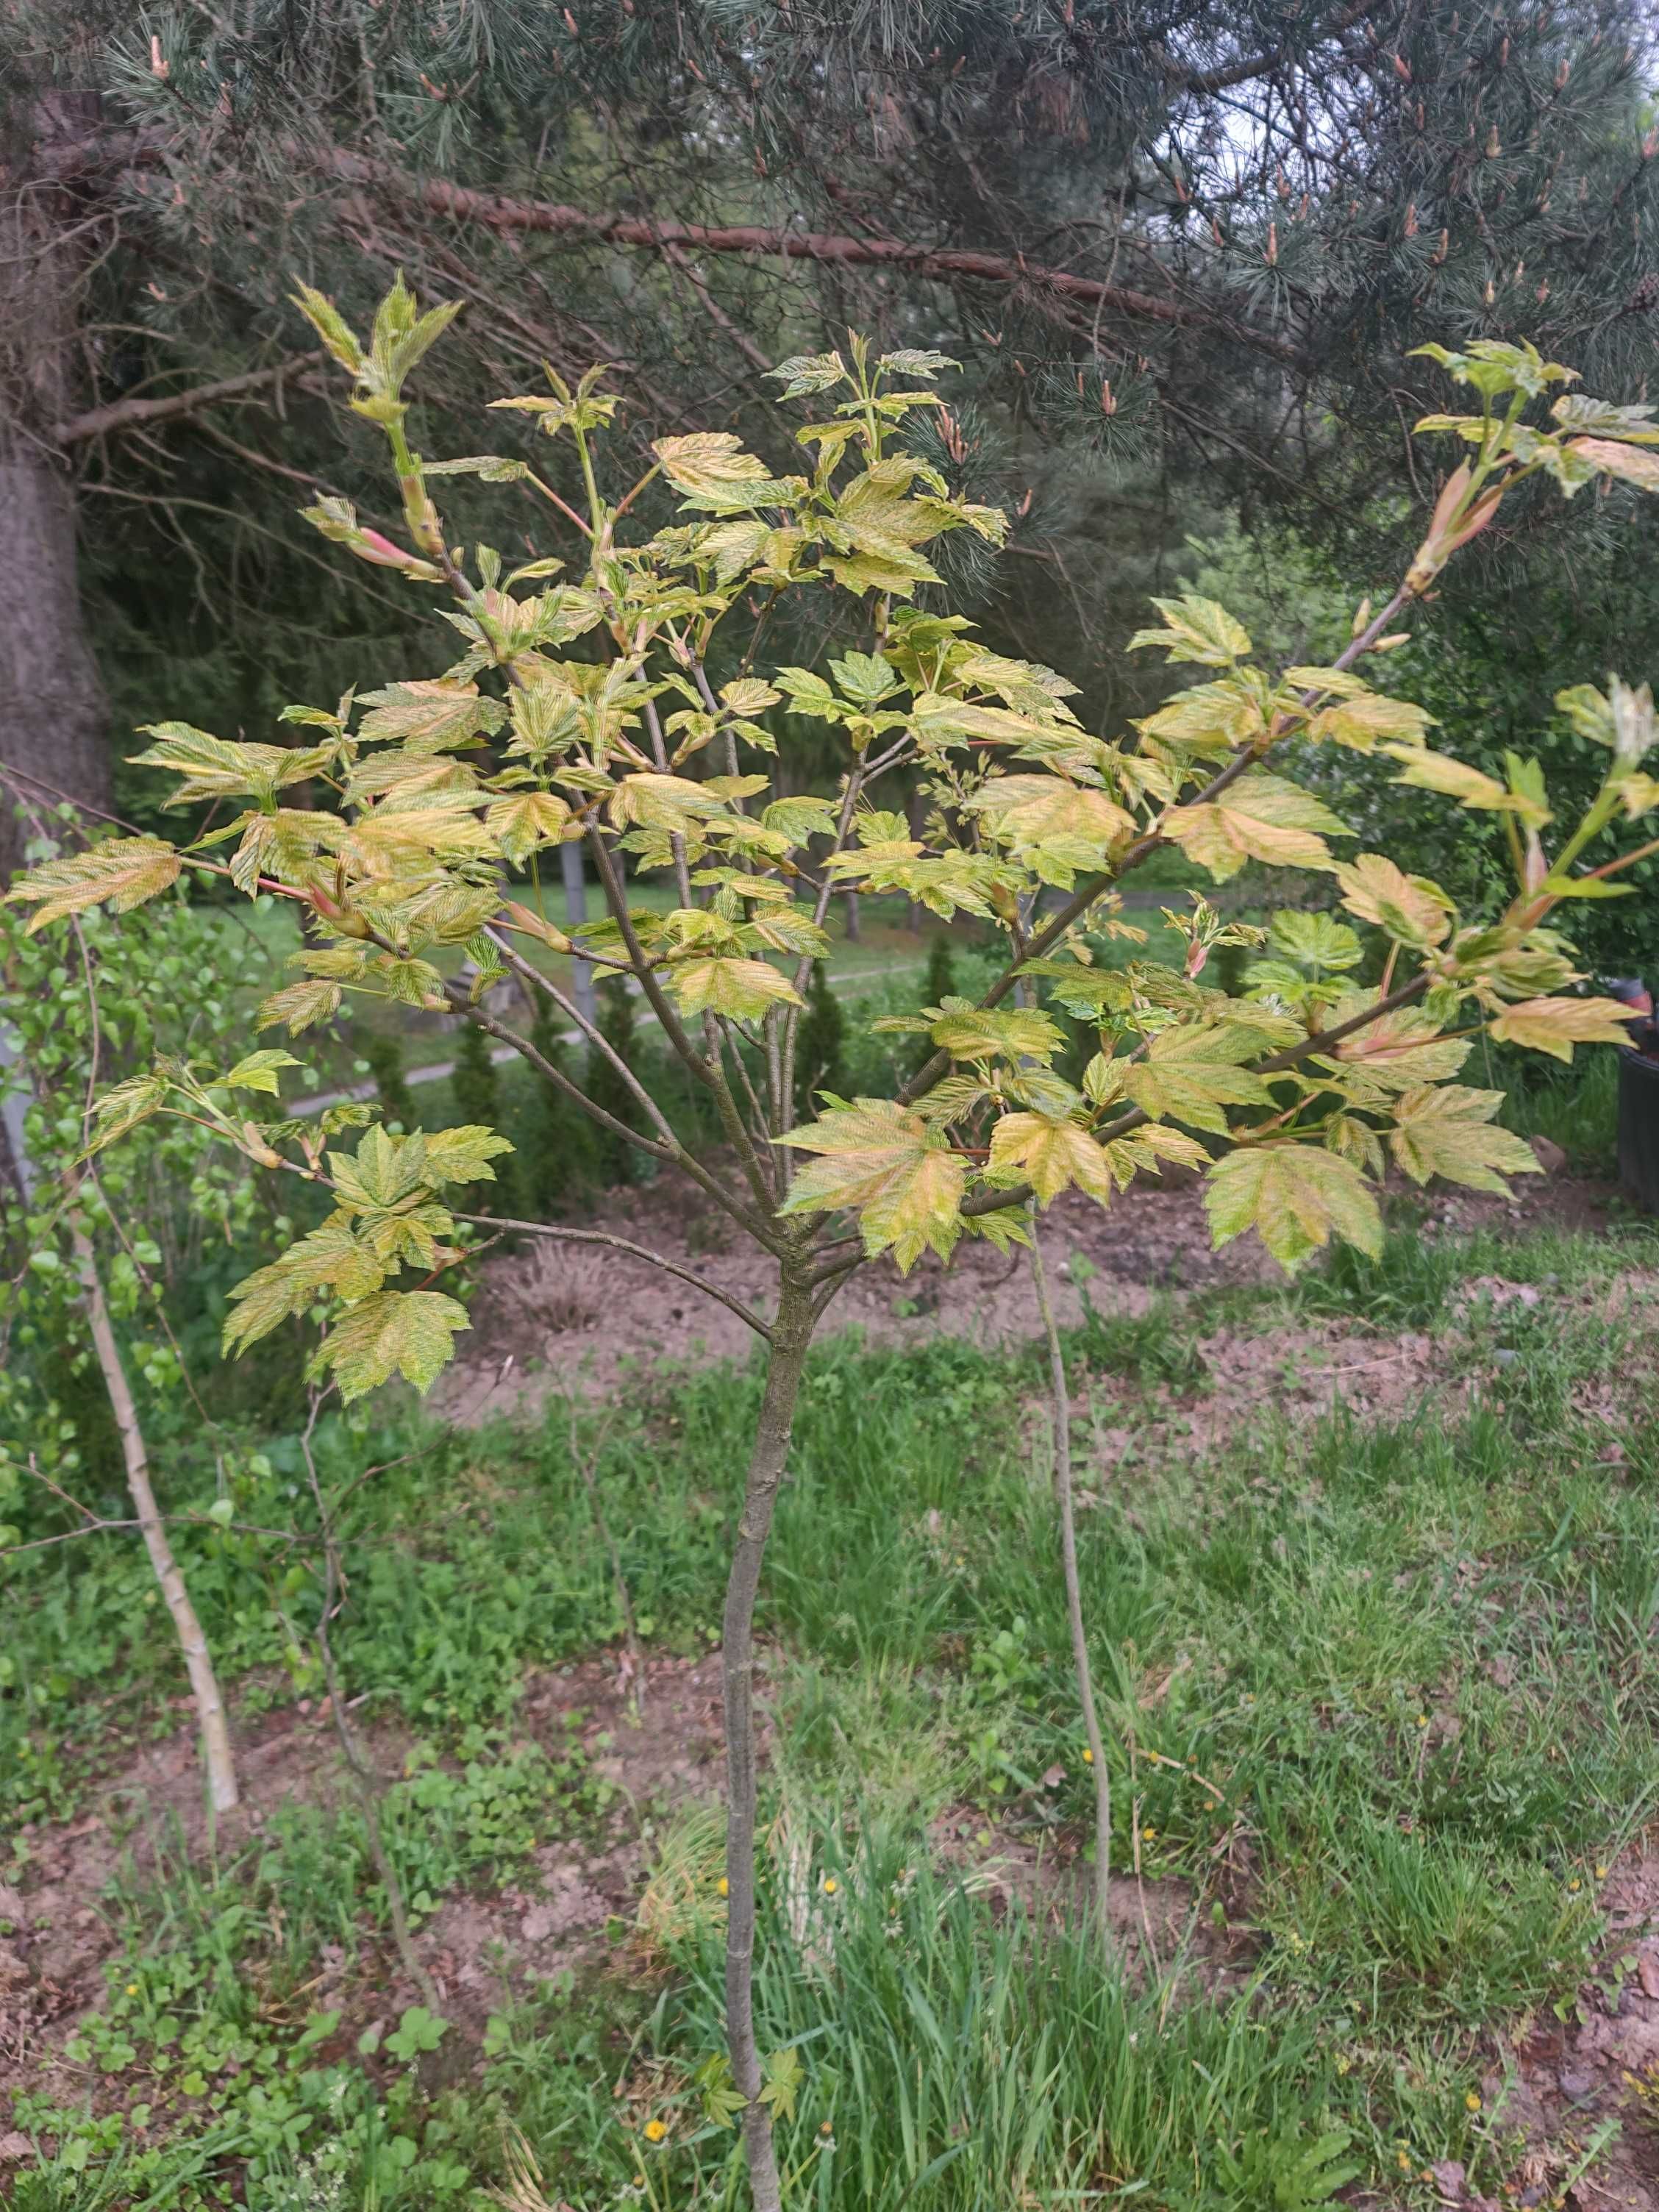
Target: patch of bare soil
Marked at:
556, 1917
552, 1917
1155, 1928
1570, 2080
555, 1318
62, 1929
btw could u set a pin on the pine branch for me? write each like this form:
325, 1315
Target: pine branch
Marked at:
497, 212
1263, 64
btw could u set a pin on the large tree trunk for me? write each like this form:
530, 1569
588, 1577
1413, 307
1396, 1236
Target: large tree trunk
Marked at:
53, 714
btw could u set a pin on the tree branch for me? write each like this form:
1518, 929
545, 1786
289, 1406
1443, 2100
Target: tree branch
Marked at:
129, 414
563, 1235
1262, 64
497, 212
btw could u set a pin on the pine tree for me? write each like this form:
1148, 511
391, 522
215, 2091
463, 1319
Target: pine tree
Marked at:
604, 1086
820, 1043
938, 982
475, 1085
475, 1090
556, 1158
384, 1052
1156, 288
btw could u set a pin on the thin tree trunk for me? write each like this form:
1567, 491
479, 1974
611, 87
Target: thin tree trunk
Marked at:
1085, 1688
852, 901
916, 812
204, 1683
575, 914
369, 1792
792, 1333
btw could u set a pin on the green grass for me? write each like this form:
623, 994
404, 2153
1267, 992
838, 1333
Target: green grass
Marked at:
1380, 1694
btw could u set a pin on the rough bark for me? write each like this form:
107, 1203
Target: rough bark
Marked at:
216, 1755
791, 1334
53, 715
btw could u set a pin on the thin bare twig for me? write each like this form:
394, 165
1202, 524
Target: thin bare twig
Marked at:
560, 1234
368, 1795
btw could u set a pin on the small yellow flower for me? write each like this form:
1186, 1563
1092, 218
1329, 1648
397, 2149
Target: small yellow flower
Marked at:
132, 1988
824, 2128
1600, 1874
830, 1885
1472, 2103
1147, 1835
1088, 1757
1575, 1883
654, 2131
1345, 2065
1403, 2161
639, 2181
724, 1886
1422, 1720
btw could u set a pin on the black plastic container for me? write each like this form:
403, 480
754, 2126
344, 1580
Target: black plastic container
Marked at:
1638, 1128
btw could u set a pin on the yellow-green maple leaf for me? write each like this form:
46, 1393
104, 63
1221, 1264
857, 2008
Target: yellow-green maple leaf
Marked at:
1050, 1155
1261, 818
882, 1161
1196, 629
125, 871
1410, 908
1555, 1025
1192, 1072
1446, 1130
1295, 1197
524, 821
742, 988
410, 1332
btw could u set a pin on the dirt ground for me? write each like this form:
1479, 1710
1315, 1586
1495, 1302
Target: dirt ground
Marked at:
558, 1317
555, 1317
1554, 2088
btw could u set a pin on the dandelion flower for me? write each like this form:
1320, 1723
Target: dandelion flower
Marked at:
1088, 1757
1600, 1874
830, 1885
1422, 1720
824, 2128
1147, 1835
1575, 1883
654, 2131
1472, 2102
132, 1988
1403, 2161
724, 1886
